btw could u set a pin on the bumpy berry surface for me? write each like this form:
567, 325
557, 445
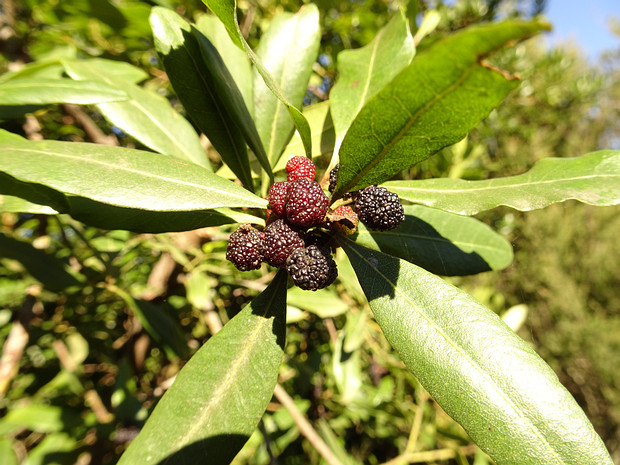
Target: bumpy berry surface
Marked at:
279, 242
306, 203
300, 167
244, 248
277, 197
345, 220
379, 208
333, 178
312, 268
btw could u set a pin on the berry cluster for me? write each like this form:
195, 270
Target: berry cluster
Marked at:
300, 225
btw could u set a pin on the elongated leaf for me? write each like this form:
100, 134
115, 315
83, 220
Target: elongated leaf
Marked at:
432, 103
115, 176
288, 48
9, 136
235, 58
146, 116
226, 11
45, 268
322, 133
593, 178
232, 100
9, 203
441, 242
195, 86
365, 71
220, 395
42, 91
483, 375
120, 70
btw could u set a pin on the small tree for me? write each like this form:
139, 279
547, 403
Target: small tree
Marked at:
387, 112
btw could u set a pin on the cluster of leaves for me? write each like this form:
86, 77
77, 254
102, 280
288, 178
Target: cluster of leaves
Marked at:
381, 119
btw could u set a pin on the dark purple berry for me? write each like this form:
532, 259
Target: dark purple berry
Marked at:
244, 248
279, 242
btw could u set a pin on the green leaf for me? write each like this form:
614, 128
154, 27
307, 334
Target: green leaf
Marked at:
365, 71
593, 178
235, 59
441, 242
7, 452
45, 268
115, 176
42, 91
321, 132
9, 203
288, 48
220, 395
35, 417
432, 103
481, 373
9, 136
226, 11
232, 100
145, 116
195, 85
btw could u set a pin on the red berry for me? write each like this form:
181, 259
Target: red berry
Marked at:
306, 203
300, 167
277, 197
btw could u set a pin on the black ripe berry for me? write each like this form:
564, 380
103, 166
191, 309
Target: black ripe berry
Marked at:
312, 268
244, 248
379, 208
306, 203
279, 242
333, 178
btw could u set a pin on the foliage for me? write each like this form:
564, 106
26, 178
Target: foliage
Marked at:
82, 295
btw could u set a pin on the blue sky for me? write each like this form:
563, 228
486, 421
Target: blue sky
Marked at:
583, 22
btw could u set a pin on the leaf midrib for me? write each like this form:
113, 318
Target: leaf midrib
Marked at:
500, 186
231, 374
412, 119
85, 159
472, 363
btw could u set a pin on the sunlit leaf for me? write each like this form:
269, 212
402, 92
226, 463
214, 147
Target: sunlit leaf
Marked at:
432, 103
220, 395
145, 115
593, 178
41, 91
481, 373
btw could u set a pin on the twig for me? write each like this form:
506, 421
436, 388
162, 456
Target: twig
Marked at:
433, 455
417, 423
305, 427
15, 344
90, 128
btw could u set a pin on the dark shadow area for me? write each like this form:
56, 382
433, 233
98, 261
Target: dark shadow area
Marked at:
44, 267
271, 303
376, 272
418, 242
220, 449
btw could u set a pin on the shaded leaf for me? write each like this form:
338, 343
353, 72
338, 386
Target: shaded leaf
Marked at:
42, 91
321, 132
287, 49
232, 100
441, 242
434, 102
195, 86
235, 58
115, 176
481, 373
145, 116
43, 267
226, 11
365, 71
220, 395
593, 178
